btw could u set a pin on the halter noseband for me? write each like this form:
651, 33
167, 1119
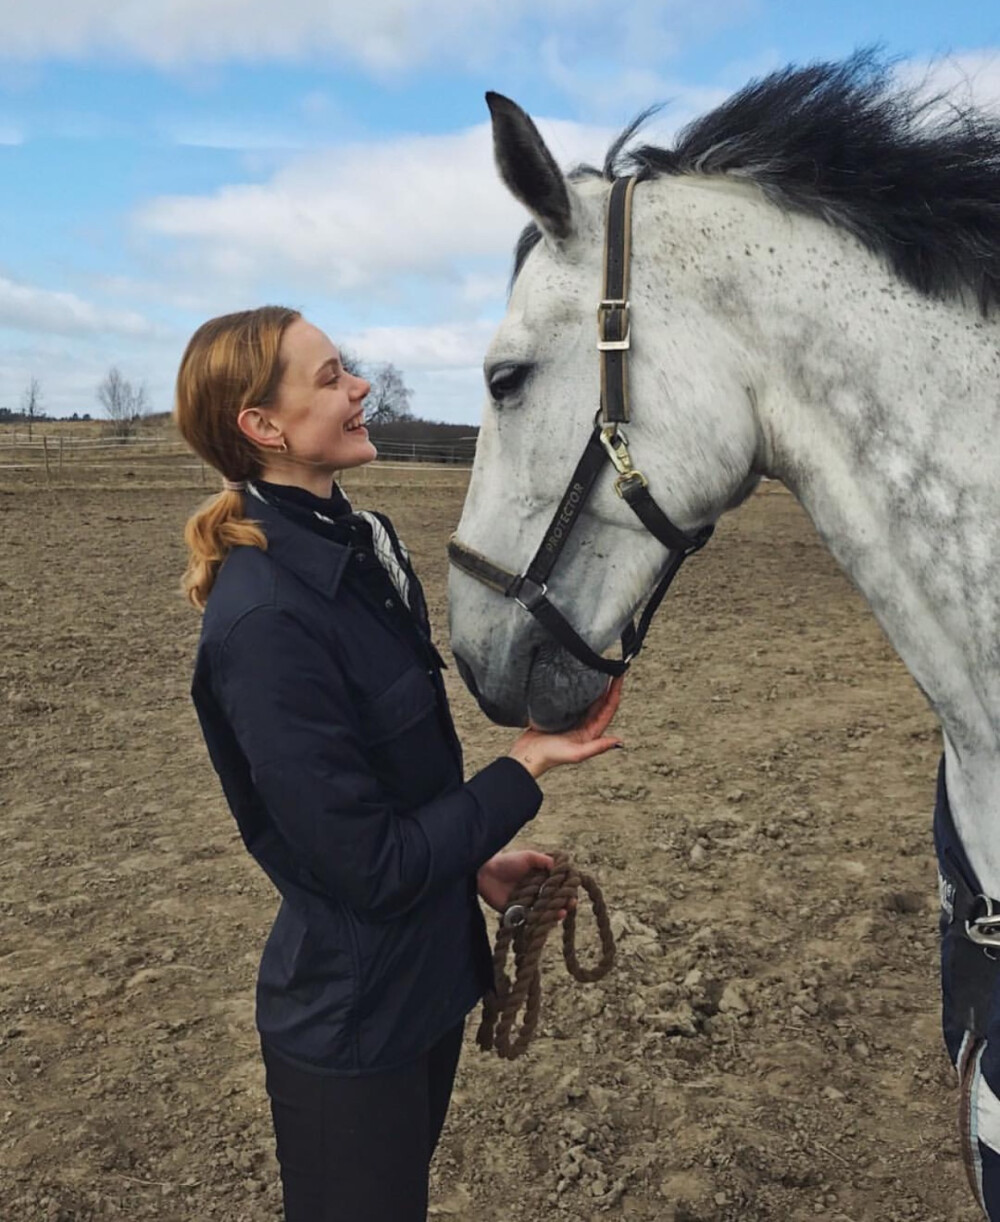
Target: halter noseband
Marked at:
607, 443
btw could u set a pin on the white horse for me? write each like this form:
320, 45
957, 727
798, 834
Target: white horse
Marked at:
814, 291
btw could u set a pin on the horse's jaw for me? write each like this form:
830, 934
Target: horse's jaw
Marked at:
561, 689
545, 687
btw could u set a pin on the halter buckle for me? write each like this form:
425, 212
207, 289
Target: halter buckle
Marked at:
633, 477
531, 602
615, 444
985, 930
606, 311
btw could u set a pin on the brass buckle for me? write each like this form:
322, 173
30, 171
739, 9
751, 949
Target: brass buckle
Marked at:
605, 307
636, 477
615, 444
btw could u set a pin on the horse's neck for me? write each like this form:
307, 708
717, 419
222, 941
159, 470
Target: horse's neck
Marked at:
880, 409
881, 412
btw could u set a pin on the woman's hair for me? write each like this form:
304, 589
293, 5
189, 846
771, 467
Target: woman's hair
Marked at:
230, 363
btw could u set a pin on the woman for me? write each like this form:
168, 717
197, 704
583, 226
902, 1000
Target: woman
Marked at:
320, 696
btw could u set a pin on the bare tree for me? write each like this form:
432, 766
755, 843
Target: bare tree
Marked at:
31, 403
124, 404
352, 363
389, 397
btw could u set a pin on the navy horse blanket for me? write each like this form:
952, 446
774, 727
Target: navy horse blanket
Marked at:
970, 974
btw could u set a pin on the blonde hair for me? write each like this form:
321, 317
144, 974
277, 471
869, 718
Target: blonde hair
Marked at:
230, 363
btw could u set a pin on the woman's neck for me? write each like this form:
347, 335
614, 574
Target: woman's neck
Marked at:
319, 483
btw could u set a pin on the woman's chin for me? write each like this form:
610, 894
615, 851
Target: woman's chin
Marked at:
362, 451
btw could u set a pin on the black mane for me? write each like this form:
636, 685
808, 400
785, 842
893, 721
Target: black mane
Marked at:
915, 178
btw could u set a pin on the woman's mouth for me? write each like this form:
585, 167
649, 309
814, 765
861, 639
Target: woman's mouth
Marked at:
355, 423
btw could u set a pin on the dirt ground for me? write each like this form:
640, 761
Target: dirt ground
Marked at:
768, 1045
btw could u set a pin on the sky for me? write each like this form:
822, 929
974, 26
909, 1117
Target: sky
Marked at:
164, 161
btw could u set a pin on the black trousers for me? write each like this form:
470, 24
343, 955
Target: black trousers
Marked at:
359, 1149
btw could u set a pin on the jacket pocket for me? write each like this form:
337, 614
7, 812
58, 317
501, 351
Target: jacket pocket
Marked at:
404, 702
405, 741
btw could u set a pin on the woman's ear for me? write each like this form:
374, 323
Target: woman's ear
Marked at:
259, 428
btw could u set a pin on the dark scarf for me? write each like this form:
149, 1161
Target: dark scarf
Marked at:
301, 506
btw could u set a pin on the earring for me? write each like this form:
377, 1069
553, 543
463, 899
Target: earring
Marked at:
283, 448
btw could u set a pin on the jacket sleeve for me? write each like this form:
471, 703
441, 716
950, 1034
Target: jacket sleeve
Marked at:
296, 724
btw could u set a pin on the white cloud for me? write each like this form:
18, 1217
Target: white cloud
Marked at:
71, 367
384, 36
483, 289
629, 91
24, 307
968, 77
441, 364
353, 218
449, 346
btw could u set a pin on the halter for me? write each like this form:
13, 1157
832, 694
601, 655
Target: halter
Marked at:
607, 443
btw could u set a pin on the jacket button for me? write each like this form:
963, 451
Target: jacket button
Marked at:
389, 604
360, 557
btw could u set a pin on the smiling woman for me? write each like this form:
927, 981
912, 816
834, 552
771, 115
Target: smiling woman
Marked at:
262, 394
230, 364
320, 696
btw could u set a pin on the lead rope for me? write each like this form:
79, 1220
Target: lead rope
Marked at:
531, 914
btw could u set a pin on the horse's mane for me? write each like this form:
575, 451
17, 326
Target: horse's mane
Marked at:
915, 178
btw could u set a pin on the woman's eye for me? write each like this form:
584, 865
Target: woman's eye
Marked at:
506, 379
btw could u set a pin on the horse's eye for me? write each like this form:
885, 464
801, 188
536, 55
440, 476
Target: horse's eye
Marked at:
506, 379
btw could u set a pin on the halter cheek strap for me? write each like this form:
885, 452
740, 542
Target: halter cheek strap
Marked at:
607, 443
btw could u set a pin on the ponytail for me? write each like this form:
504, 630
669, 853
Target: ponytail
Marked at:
230, 363
216, 526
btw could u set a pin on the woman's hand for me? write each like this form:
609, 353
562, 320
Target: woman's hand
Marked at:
500, 876
539, 752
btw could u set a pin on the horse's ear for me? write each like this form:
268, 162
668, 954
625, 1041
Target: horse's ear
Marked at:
528, 168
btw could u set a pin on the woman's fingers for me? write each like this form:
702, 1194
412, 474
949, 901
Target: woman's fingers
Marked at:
601, 712
539, 751
612, 700
594, 746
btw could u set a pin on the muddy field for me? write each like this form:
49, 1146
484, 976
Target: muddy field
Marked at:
768, 1045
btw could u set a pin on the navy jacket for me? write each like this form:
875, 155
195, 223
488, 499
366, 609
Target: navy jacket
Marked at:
325, 717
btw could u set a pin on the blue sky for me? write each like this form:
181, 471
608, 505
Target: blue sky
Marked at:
166, 160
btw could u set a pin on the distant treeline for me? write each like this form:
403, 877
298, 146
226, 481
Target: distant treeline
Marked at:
425, 441
407, 440
17, 415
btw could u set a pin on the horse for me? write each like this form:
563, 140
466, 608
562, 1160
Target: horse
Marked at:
810, 294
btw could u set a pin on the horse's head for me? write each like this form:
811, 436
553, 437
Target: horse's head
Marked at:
693, 433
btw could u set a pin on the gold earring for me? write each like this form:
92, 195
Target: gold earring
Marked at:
283, 448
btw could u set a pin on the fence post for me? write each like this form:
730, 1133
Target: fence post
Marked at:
61, 439
45, 448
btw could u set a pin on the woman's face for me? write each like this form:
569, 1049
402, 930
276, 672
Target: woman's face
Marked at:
318, 409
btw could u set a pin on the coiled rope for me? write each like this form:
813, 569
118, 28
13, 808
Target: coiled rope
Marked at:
531, 914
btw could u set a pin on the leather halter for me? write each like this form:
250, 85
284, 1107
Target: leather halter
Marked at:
607, 443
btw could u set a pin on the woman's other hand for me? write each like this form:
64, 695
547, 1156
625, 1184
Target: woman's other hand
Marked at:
501, 875
539, 751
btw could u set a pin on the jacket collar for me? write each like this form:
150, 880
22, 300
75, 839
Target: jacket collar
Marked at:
319, 561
